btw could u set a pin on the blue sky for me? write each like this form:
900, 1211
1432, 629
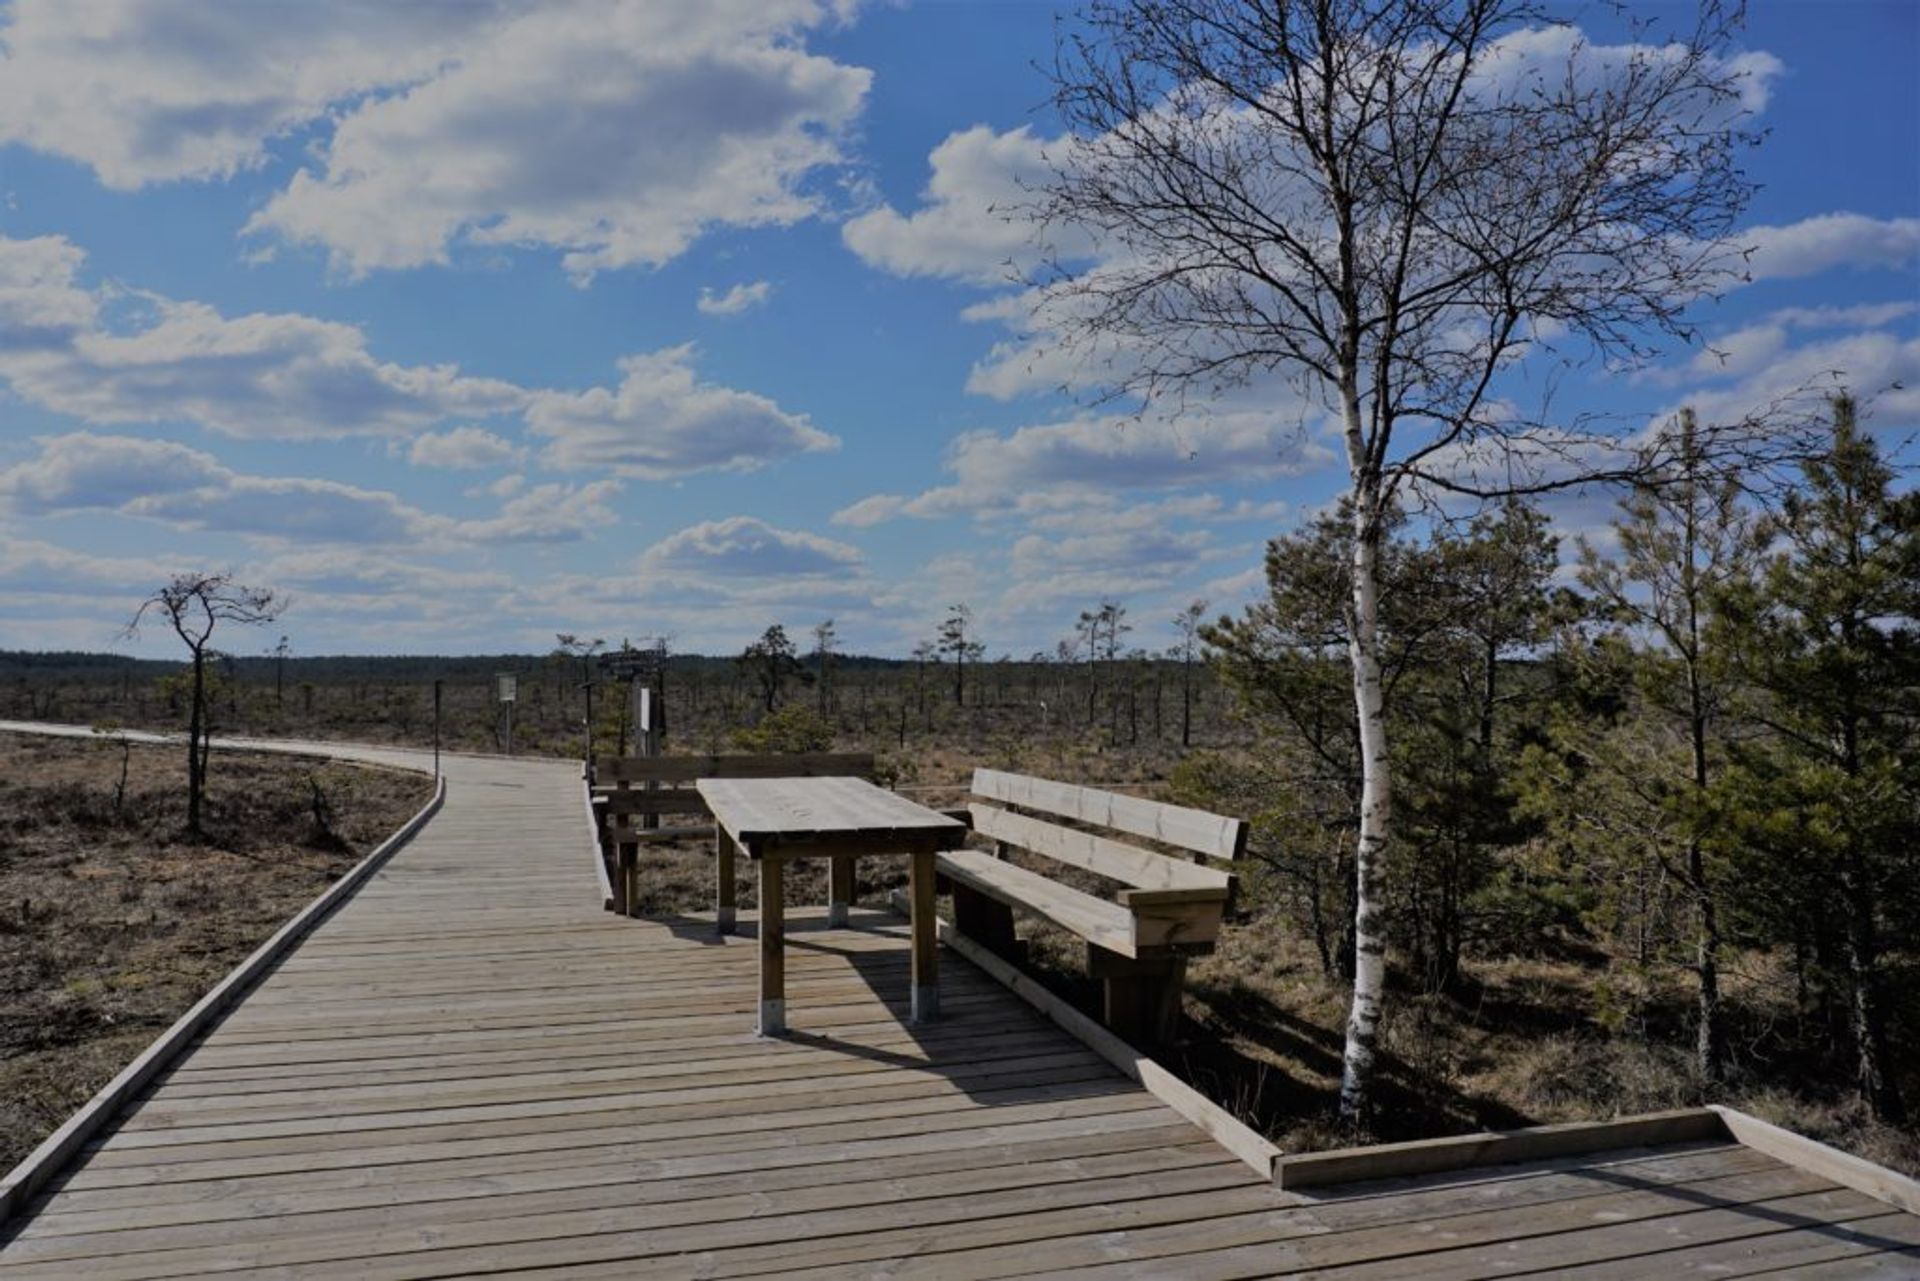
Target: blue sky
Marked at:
464, 323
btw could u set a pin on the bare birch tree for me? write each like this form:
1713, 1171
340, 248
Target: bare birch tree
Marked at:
1385, 205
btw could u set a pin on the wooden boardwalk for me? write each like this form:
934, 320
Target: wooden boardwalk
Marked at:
470, 1069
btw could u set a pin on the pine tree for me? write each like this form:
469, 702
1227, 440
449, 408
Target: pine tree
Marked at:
1831, 646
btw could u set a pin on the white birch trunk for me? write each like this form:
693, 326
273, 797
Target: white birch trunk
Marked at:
1369, 924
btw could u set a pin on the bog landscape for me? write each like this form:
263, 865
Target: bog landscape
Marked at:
1301, 660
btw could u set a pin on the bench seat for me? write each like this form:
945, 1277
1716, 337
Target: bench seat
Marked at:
1094, 919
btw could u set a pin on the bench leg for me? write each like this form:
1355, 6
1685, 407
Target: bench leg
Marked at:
926, 957
839, 889
626, 879
1141, 997
773, 956
726, 896
985, 920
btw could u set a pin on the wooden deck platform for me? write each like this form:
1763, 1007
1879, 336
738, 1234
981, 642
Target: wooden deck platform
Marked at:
470, 1069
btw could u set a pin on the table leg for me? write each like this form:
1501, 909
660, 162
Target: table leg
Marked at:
773, 958
726, 890
926, 963
839, 889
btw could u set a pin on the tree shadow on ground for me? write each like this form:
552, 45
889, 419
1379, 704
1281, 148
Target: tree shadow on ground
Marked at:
1278, 1071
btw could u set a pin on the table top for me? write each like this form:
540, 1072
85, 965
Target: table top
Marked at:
768, 812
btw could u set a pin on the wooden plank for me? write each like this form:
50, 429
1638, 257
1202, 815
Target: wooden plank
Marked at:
1196, 830
1426, 1156
1138, 868
1844, 1168
1093, 919
672, 800
685, 769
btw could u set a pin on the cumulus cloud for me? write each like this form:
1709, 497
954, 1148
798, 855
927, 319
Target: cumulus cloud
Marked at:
294, 377
551, 513
262, 376
1880, 366
1025, 470
462, 449
1827, 241
146, 91
662, 421
615, 131
744, 547
967, 226
736, 300
190, 489
33, 567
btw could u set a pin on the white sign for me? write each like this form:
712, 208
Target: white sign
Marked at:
646, 709
508, 684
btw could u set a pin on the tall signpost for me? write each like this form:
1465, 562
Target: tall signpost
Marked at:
642, 672
509, 686
436, 726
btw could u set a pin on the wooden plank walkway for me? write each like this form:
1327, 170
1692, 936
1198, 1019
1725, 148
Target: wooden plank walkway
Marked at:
470, 1069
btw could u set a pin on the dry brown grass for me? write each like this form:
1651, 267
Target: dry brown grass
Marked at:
112, 924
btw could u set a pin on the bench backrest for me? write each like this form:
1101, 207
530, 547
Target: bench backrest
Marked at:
620, 780
1208, 839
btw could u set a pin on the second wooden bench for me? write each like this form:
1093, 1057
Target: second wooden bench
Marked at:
1138, 938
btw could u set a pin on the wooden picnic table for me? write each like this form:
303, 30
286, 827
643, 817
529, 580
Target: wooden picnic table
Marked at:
771, 820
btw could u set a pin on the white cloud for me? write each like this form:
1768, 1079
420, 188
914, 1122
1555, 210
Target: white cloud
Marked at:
662, 421
294, 377
1827, 241
260, 376
967, 226
1881, 367
743, 547
462, 449
870, 511
31, 567
189, 489
40, 306
1065, 462
615, 131
148, 91
550, 513
740, 298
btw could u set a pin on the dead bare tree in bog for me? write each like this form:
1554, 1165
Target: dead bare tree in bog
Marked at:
1375, 209
193, 605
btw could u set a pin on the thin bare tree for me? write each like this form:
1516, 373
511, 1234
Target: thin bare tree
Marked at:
1382, 206
193, 605
1187, 622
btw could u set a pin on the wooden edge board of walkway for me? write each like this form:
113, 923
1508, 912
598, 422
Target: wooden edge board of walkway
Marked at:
1576, 1138
52, 1155
593, 847
1212, 1119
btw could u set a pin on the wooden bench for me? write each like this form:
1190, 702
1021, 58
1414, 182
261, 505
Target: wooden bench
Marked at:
1167, 908
628, 791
